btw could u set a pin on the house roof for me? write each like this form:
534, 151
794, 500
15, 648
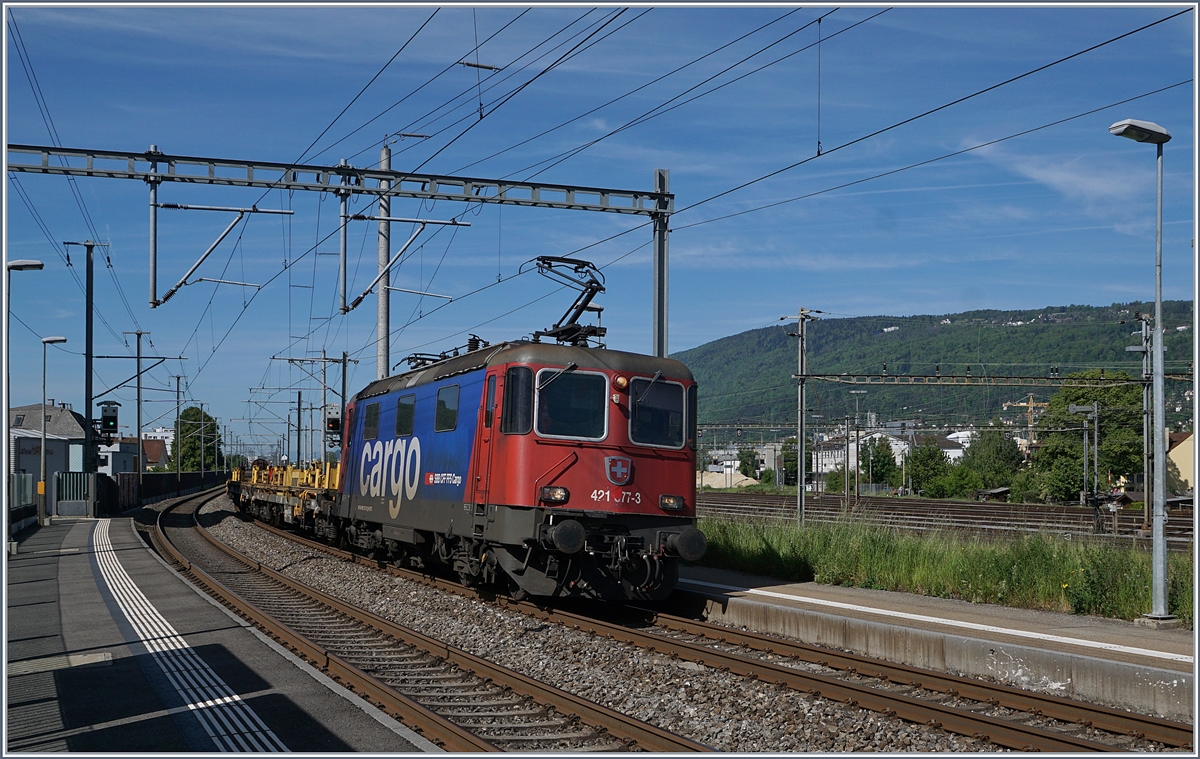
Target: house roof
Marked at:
1175, 438
61, 421
155, 450
946, 444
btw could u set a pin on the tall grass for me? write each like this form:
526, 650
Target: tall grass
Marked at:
1035, 571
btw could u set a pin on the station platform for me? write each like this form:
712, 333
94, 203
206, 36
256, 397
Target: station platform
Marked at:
1106, 661
110, 650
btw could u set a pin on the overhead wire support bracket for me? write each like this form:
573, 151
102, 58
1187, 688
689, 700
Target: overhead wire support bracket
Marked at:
417, 292
383, 272
241, 213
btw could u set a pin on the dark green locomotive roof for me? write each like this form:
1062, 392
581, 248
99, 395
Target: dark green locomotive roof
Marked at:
526, 352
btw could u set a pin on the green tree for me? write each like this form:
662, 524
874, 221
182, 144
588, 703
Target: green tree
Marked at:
994, 459
1058, 462
926, 463
789, 462
835, 480
879, 462
748, 462
767, 477
194, 427
958, 481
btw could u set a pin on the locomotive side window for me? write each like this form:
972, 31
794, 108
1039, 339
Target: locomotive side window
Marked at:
518, 401
446, 417
657, 417
371, 422
489, 406
691, 415
405, 409
572, 404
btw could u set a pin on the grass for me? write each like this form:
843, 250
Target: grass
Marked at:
1036, 571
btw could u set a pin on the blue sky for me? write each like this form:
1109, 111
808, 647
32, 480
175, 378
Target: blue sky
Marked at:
1063, 215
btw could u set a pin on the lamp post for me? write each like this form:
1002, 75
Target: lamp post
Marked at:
24, 264
857, 453
1148, 131
43, 520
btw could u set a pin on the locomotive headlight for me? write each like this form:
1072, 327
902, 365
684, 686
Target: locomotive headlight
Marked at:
620, 382
555, 494
670, 502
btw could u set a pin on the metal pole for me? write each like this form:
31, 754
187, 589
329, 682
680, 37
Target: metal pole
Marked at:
800, 448
1096, 450
345, 431
846, 469
383, 327
299, 426
1158, 537
343, 195
153, 232
662, 181
176, 444
89, 434
1147, 453
324, 406
1084, 489
42, 520
141, 459
202, 446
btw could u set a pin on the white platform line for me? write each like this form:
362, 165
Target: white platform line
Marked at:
950, 622
230, 722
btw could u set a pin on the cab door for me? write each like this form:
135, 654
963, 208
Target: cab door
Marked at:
485, 438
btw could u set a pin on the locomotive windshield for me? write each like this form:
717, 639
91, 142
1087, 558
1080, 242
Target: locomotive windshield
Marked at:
657, 417
571, 404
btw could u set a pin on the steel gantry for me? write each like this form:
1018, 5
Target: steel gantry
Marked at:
155, 167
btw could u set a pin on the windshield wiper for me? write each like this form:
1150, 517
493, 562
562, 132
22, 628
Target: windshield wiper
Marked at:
556, 375
642, 397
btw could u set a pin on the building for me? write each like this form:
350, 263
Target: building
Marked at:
119, 457
155, 453
166, 434
954, 451
1181, 457
64, 438
830, 454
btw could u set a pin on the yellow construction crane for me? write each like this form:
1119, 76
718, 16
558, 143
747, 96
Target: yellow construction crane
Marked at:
1029, 404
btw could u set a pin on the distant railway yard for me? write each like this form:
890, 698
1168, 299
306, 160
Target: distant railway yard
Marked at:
986, 519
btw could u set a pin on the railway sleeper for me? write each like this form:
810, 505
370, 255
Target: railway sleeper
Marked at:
525, 712
575, 736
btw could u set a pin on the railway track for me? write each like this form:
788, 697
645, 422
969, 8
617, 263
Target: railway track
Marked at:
995, 519
1005, 716
456, 699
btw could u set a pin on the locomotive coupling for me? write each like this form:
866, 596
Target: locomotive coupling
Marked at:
567, 536
689, 545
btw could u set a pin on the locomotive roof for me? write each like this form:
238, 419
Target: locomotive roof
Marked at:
526, 352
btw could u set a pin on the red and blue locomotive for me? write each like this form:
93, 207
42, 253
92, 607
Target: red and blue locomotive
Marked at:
546, 469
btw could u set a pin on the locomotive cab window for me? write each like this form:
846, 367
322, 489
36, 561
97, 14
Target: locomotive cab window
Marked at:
572, 404
405, 410
371, 422
446, 416
517, 418
657, 413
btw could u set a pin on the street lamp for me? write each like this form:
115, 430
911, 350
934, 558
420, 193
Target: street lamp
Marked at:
24, 264
43, 520
1148, 131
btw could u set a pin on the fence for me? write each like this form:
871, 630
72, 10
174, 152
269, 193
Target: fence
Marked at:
159, 485
22, 502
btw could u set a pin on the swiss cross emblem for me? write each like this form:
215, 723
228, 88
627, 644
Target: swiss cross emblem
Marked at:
618, 469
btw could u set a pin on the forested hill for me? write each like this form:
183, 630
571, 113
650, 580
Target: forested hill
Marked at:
747, 377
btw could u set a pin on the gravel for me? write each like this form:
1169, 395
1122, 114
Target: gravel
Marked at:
721, 710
